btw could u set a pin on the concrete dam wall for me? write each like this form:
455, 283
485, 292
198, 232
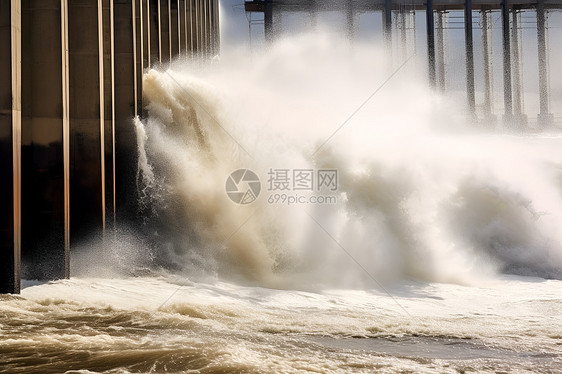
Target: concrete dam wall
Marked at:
70, 87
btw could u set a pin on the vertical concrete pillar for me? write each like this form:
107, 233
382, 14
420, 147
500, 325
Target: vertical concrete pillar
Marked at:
164, 31
143, 16
187, 33
107, 71
544, 117
350, 20
126, 106
45, 219
507, 93
174, 31
138, 36
170, 34
10, 145
387, 24
200, 26
268, 21
191, 38
154, 31
148, 34
469, 51
216, 27
209, 27
87, 115
486, 45
518, 113
430, 41
403, 33
441, 50
206, 28
181, 28
195, 26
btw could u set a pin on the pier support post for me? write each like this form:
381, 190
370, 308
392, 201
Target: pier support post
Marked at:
45, 142
174, 29
191, 27
268, 21
430, 41
507, 93
164, 28
519, 117
350, 24
182, 35
154, 33
403, 34
216, 30
484, 17
441, 50
469, 50
197, 26
545, 117
10, 145
387, 24
87, 117
127, 103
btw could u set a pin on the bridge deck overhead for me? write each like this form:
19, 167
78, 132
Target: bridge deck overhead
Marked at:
373, 5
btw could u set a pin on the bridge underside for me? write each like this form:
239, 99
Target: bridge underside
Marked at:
403, 13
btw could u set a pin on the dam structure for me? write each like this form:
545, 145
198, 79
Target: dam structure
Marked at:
70, 87
476, 18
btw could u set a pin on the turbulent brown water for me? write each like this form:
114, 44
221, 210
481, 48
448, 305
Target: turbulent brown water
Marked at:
127, 326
